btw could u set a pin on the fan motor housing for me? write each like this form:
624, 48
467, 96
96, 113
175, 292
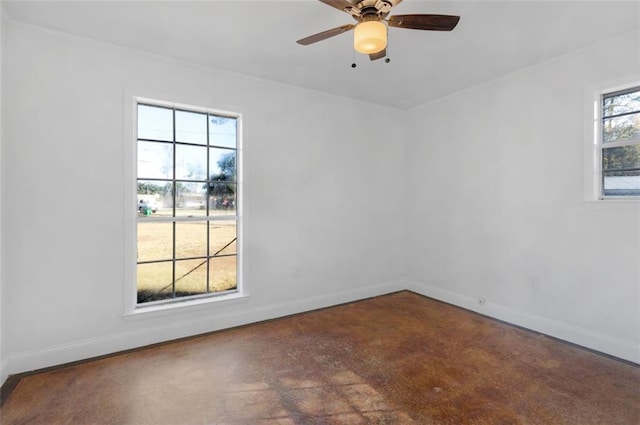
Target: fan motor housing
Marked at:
365, 8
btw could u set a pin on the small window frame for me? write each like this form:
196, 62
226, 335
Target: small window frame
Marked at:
594, 144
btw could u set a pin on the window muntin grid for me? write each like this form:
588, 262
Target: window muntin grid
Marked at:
620, 144
186, 203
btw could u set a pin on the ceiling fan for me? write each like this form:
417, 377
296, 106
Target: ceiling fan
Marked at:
370, 33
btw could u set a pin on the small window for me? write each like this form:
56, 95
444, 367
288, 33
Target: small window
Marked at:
187, 203
619, 144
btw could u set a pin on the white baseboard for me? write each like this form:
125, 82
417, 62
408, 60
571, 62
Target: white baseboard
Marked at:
616, 347
175, 329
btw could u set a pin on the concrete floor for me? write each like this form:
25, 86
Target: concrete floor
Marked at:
395, 359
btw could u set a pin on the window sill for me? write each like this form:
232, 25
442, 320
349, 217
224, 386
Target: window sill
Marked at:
179, 307
613, 201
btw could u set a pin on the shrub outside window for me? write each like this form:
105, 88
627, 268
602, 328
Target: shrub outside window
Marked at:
620, 144
187, 203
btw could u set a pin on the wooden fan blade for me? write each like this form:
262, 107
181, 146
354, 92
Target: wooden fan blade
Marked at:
425, 22
343, 5
324, 35
379, 55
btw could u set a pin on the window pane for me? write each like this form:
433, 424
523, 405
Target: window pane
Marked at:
155, 281
155, 241
154, 197
625, 183
190, 199
621, 128
191, 127
155, 160
186, 167
155, 123
222, 198
191, 239
222, 273
191, 162
222, 238
191, 277
222, 164
620, 158
222, 131
621, 104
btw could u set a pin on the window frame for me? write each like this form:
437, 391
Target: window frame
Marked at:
132, 307
594, 145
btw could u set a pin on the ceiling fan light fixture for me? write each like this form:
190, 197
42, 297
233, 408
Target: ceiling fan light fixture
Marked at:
370, 37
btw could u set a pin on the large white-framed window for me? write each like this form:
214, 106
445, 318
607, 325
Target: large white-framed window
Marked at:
614, 163
188, 202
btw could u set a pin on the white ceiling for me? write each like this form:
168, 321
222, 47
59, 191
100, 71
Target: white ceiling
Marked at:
257, 38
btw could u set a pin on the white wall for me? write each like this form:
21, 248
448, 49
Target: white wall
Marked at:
3, 372
496, 208
319, 228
